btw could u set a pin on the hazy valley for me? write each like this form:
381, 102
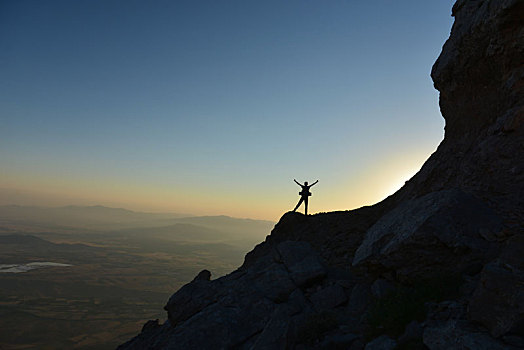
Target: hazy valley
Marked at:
124, 267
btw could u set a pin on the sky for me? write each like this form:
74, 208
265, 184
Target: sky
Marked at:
214, 107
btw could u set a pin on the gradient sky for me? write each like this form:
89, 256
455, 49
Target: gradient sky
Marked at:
213, 107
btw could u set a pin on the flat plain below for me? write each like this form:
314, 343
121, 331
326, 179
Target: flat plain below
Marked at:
116, 281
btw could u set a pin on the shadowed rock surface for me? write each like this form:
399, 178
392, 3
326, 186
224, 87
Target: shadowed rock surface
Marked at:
437, 265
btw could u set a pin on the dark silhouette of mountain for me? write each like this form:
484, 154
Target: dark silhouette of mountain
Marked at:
39, 249
92, 217
105, 218
25, 240
437, 265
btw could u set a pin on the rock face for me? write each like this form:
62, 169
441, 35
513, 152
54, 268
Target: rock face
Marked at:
448, 224
378, 277
498, 301
261, 306
480, 76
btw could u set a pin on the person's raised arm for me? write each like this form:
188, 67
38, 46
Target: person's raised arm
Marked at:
314, 183
298, 183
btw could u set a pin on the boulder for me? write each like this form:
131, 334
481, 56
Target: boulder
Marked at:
151, 325
252, 307
381, 287
381, 343
460, 335
274, 282
498, 301
413, 331
151, 337
230, 323
444, 230
514, 340
328, 297
191, 299
274, 333
339, 341
357, 345
359, 299
302, 262
204, 275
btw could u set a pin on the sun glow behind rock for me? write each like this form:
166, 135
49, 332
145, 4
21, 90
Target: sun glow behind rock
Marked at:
397, 184
194, 115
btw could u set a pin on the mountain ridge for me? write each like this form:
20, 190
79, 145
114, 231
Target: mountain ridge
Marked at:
102, 217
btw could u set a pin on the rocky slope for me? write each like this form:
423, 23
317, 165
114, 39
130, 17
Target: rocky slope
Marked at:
438, 265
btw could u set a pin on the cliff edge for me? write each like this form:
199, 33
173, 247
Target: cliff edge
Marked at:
437, 265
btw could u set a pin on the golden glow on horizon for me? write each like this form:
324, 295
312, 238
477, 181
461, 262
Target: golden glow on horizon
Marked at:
367, 187
225, 127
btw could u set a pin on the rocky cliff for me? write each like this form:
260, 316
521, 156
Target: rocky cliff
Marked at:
437, 265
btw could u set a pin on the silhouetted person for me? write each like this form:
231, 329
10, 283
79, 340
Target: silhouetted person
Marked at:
304, 194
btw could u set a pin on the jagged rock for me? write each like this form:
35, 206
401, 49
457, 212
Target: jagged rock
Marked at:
191, 299
151, 338
381, 287
381, 343
298, 302
441, 230
251, 307
338, 341
274, 283
447, 328
514, 340
413, 331
357, 345
274, 334
335, 236
446, 310
359, 299
498, 301
229, 324
150, 325
460, 335
204, 275
328, 298
302, 262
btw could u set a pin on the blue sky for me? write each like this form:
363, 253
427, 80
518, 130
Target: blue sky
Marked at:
213, 107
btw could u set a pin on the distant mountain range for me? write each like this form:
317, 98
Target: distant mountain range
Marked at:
105, 218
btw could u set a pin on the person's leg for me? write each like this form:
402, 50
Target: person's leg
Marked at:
305, 203
299, 202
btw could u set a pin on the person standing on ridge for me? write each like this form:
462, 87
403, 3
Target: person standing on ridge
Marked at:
304, 194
